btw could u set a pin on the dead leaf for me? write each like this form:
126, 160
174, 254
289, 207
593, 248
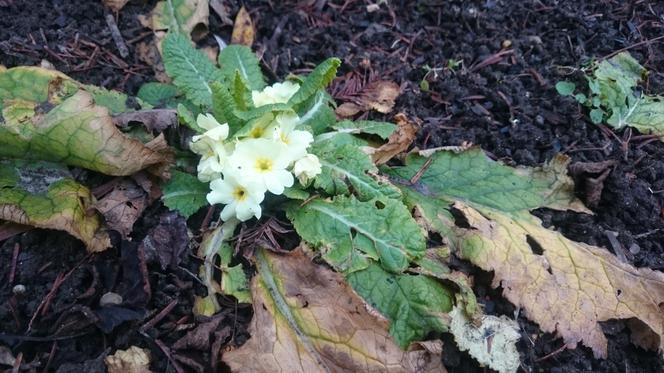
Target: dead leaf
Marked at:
308, 319
123, 206
6, 356
398, 142
168, 241
149, 53
115, 5
211, 52
132, 360
243, 29
565, 286
221, 9
189, 17
154, 120
591, 175
201, 338
378, 95
492, 342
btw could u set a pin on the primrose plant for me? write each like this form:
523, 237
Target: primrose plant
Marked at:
242, 169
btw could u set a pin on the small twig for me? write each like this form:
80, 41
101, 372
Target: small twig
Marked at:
167, 352
117, 37
421, 171
556, 352
632, 46
160, 316
12, 271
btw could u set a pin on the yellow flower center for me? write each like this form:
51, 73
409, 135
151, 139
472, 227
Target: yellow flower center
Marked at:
263, 164
284, 138
239, 194
256, 132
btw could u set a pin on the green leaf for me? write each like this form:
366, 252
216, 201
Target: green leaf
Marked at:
316, 80
184, 193
186, 117
233, 279
413, 303
580, 98
45, 196
472, 177
190, 69
76, 132
349, 232
565, 88
316, 113
596, 115
182, 16
241, 93
240, 58
648, 115
381, 129
159, 95
345, 166
224, 107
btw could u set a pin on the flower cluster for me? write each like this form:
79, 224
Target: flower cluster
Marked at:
241, 170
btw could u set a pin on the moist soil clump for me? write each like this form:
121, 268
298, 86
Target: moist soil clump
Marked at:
471, 72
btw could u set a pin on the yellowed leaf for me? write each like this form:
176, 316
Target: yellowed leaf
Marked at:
398, 142
131, 360
307, 319
565, 286
189, 17
243, 29
115, 5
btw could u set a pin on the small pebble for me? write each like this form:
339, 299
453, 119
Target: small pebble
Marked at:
110, 299
634, 248
506, 43
19, 289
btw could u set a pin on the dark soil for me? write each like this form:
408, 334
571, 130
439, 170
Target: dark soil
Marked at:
500, 97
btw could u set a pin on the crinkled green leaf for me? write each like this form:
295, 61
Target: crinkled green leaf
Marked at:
186, 117
241, 93
648, 115
345, 167
45, 196
349, 232
471, 176
415, 304
224, 108
240, 58
190, 69
76, 132
316, 113
318, 79
159, 95
184, 193
381, 129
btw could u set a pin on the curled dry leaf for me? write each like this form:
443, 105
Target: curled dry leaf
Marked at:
398, 142
307, 319
123, 206
378, 95
132, 360
45, 196
243, 29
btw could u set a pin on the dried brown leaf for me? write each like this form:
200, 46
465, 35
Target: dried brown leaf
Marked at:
398, 142
565, 286
243, 29
378, 95
308, 319
123, 206
132, 360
